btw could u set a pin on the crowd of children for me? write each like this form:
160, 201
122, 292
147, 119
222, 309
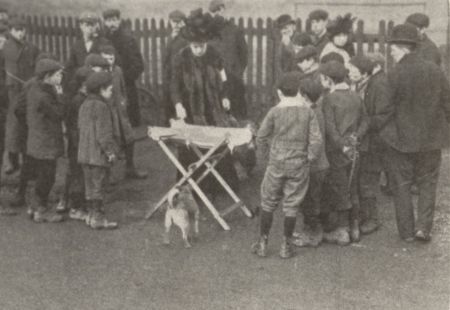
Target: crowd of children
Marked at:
337, 116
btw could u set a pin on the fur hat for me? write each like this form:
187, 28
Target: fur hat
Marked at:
200, 27
334, 70
404, 34
97, 80
342, 24
110, 13
46, 65
419, 20
284, 20
306, 52
318, 15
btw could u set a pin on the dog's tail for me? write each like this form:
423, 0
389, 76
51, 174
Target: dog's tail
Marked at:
171, 196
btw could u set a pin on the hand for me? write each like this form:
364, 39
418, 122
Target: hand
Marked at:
349, 151
111, 158
59, 89
180, 110
226, 104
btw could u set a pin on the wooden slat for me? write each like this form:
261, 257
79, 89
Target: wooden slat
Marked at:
146, 37
64, 41
57, 37
381, 37
269, 61
249, 32
389, 60
154, 57
259, 60
359, 37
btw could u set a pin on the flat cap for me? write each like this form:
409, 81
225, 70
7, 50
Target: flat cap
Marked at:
96, 60
318, 15
82, 74
215, 5
47, 65
333, 69
404, 34
333, 56
301, 39
89, 18
97, 80
289, 81
284, 20
177, 15
419, 20
107, 49
305, 53
110, 13
46, 55
17, 22
310, 87
363, 63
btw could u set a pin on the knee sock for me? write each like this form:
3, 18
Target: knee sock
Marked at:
289, 225
266, 222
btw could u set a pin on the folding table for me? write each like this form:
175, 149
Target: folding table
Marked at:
217, 142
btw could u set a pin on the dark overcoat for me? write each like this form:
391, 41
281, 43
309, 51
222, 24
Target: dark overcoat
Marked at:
419, 106
428, 50
45, 114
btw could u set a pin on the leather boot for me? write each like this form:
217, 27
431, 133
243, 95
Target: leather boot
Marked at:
97, 219
43, 214
260, 247
286, 250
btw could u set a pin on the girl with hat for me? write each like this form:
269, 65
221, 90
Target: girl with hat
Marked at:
339, 31
199, 85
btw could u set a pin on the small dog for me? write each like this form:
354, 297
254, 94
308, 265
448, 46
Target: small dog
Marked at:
181, 204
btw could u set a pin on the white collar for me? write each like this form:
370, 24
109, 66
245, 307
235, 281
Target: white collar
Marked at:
340, 86
290, 102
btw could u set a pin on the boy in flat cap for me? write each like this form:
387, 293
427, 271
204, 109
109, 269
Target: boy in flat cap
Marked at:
339, 31
319, 22
306, 61
425, 47
129, 58
20, 59
174, 45
89, 42
45, 144
119, 103
97, 148
371, 85
415, 131
295, 142
345, 125
232, 47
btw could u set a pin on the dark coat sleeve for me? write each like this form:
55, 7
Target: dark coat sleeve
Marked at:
334, 138
176, 80
133, 65
103, 126
48, 108
380, 100
445, 96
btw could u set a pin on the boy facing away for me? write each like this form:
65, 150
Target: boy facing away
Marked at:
296, 141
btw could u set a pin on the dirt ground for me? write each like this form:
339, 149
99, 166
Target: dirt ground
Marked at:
68, 266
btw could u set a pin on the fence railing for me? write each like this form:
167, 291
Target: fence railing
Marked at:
57, 34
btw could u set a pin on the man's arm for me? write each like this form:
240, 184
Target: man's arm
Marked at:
315, 138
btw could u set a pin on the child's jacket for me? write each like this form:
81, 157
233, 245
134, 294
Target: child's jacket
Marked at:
295, 133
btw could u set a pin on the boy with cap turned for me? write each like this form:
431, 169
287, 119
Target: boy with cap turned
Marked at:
345, 125
97, 148
20, 59
295, 142
425, 47
45, 143
371, 86
319, 22
176, 43
119, 103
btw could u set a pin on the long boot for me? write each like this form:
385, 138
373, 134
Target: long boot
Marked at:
286, 250
13, 163
131, 171
97, 219
77, 207
260, 246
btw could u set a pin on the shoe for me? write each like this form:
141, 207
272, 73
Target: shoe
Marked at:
423, 236
18, 201
286, 249
46, 216
132, 173
78, 215
339, 236
409, 240
369, 227
62, 205
260, 247
7, 211
355, 235
96, 220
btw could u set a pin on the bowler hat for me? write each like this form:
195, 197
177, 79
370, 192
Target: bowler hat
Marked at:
95, 60
110, 13
97, 80
334, 70
289, 81
284, 20
404, 34
177, 16
318, 15
88, 18
363, 63
419, 20
47, 65
305, 53
215, 5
